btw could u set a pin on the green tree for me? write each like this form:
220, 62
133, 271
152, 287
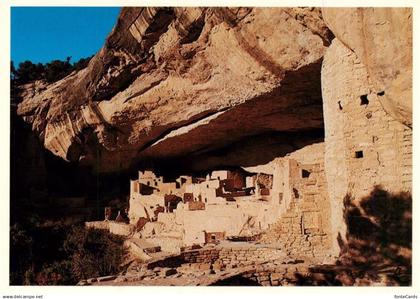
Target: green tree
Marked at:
51, 71
82, 63
29, 71
56, 70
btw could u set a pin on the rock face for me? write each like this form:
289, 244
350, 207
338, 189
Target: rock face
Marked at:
382, 38
174, 82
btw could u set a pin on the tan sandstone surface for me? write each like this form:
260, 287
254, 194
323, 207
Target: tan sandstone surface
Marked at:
382, 38
173, 81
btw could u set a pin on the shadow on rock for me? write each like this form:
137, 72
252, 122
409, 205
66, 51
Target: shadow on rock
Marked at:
377, 247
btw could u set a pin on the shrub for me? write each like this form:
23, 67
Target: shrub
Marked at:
94, 252
62, 254
20, 254
57, 273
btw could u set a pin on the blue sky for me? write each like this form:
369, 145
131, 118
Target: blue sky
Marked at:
42, 34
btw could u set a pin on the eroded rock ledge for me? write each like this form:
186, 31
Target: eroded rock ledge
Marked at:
178, 81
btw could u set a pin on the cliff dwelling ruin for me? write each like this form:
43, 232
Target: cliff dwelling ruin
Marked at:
261, 146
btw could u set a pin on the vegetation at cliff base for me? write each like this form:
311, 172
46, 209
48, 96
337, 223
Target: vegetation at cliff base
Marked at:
62, 254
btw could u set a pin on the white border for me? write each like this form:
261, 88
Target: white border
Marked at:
182, 292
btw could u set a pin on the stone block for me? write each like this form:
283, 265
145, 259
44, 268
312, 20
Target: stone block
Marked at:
106, 278
170, 272
275, 283
205, 266
263, 277
276, 276
265, 283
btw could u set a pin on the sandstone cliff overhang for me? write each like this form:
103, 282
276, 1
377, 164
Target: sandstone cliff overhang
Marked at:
175, 82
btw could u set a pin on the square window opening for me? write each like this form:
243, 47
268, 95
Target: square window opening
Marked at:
364, 99
358, 154
305, 173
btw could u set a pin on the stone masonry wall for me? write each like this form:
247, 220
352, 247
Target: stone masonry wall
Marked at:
304, 229
221, 258
116, 228
277, 275
97, 225
364, 145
